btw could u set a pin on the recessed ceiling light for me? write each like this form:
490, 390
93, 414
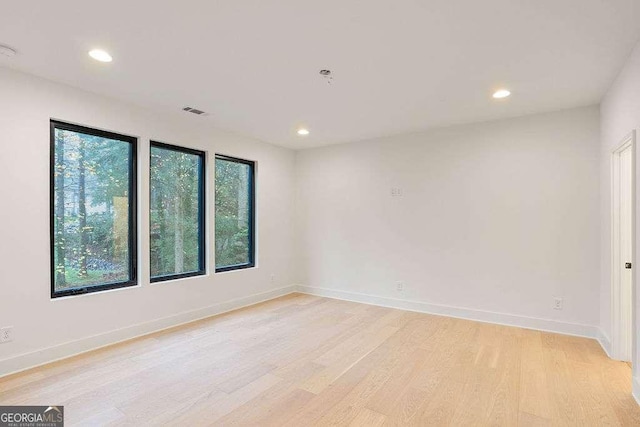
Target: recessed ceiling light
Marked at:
303, 131
100, 55
502, 93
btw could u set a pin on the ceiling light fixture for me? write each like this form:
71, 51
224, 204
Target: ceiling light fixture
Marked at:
100, 55
303, 131
502, 93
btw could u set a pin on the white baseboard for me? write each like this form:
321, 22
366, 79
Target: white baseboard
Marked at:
636, 389
43, 356
458, 312
604, 342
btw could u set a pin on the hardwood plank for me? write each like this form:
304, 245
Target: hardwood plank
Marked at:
534, 397
335, 370
210, 407
526, 419
368, 418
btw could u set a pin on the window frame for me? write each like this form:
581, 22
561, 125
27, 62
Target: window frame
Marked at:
133, 208
202, 230
252, 215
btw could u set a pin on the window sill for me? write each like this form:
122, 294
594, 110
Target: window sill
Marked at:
233, 268
178, 278
96, 292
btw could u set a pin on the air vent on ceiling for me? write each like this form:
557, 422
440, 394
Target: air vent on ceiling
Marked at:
194, 111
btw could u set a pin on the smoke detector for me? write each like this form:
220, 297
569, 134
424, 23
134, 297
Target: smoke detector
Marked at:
7, 51
326, 74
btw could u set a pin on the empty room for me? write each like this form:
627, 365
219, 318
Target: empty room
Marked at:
297, 213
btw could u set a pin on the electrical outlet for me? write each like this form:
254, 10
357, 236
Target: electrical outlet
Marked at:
396, 192
6, 334
399, 286
273, 279
557, 303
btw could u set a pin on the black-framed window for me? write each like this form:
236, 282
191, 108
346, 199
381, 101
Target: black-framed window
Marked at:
235, 213
177, 212
93, 210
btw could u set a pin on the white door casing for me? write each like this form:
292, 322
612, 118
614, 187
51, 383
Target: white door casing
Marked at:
622, 247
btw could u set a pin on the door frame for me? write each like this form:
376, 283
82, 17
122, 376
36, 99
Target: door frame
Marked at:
619, 330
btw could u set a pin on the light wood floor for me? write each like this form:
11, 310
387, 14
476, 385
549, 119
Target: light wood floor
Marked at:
302, 360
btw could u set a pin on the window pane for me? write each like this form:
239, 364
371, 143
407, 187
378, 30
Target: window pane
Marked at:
234, 213
177, 209
92, 209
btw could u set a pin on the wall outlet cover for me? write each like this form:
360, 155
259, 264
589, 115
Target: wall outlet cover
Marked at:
557, 303
6, 334
396, 192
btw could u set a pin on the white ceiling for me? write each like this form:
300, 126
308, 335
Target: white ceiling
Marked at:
398, 65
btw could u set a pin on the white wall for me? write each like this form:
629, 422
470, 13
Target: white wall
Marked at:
620, 114
66, 325
499, 217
